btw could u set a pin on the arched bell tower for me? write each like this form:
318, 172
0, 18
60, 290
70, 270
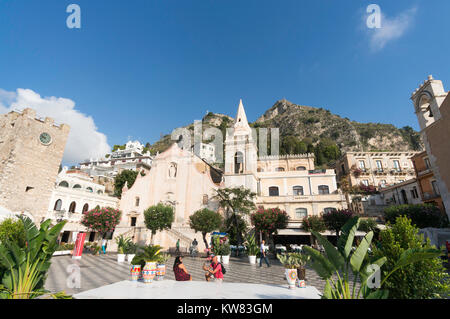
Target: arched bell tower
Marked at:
427, 100
241, 153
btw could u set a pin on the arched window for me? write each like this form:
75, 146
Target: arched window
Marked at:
329, 210
274, 191
238, 163
297, 190
72, 207
64, 184
99, 192
137, 201
77, 186
301, 168
301, 213
58, 205
324, 189
90, 190
85, 208
279, 169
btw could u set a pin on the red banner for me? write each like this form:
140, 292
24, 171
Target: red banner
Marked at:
79, 244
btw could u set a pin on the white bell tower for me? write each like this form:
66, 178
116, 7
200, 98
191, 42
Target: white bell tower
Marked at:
241, 154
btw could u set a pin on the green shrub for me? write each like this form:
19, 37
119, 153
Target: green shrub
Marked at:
422, 280
421, 215
12, 230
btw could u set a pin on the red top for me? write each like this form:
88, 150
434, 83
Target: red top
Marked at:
180, 274
218, 274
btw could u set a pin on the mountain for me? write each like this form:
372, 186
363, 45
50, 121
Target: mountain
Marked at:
316, 130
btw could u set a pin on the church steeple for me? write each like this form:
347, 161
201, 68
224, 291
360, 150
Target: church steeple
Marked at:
241, 119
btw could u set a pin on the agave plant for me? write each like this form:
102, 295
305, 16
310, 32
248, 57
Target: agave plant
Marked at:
163, 258
27, 267
122, 243
251, 245
148, 253
343, 260
287, 261
300, 260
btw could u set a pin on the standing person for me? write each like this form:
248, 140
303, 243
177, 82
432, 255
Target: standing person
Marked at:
180, 271
177, 250
262, 249
214, 270
104, 242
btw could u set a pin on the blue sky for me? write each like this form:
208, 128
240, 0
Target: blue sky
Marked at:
144, 67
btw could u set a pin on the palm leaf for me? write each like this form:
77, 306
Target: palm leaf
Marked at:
378, 294
345, 241
321, 265
360, 253
333, 254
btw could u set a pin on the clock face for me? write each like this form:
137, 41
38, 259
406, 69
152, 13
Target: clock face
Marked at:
45, 138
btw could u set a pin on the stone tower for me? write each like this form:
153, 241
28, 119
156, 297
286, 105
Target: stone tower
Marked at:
31, 151
431, 104
241, 154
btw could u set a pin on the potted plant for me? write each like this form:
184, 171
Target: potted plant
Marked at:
122, 243
161, 266
252, 249
300, 260
130, 251
225, 251
150, 256
290, 269
217, 247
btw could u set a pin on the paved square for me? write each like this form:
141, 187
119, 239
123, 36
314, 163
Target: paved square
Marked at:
97, 271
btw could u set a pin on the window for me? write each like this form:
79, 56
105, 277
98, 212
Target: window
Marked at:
427, 163
137, 201
260, 169
414, 193
435, 188
362, 165
279, 169
72, 207
365, 182
324, 189
77, 186
58, 205
64, 184
99, 192
329, 210
301, 168
298, 190
379, 166
397, 165
301, 213
238, 163
274, 191
133, 222
85, 208
90, 190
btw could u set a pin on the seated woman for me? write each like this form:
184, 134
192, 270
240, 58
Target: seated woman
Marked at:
180, 271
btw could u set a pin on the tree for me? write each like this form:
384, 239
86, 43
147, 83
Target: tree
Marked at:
336, 219
229, 227
101, 220
313, 223
421, 215
205, 221
126, 176
422, 280
158, 218
268, 221
236, 201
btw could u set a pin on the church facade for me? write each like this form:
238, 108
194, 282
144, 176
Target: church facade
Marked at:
181, 179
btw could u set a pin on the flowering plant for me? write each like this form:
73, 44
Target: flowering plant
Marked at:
102, 220
269, 220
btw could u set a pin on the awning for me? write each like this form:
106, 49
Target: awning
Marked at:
301, 232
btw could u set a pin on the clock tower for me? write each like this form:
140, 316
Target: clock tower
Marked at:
31, 150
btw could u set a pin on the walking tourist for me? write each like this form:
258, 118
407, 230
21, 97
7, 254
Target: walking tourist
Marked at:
177, 250
214, 270
262, 249
104, 242
180, 271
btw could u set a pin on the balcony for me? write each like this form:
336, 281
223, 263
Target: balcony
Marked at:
62, 215
430, 195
